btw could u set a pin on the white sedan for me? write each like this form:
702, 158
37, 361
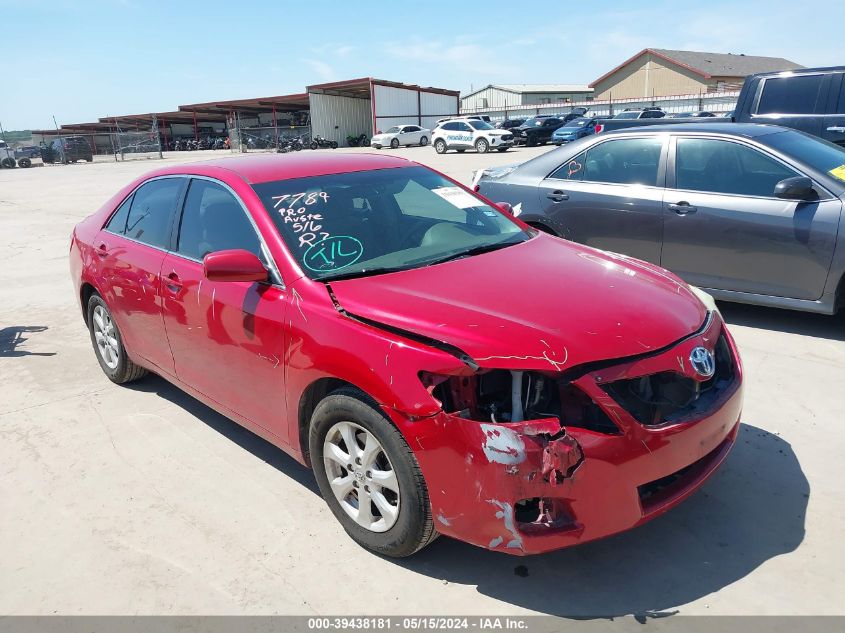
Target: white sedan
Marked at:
401, 135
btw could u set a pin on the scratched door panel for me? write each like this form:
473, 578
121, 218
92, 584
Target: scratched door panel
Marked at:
227, 340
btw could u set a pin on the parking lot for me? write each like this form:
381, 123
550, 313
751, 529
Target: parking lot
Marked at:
141, 500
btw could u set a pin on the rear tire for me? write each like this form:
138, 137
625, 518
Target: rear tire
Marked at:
25, 163
423, 141
314, 145
334, 144
350, 415
108, 344
8, 163
440, 146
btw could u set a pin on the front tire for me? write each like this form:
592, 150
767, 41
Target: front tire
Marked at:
108, 344
481, 146
369, 476
394, 144
314, 145
24, 162
440, 146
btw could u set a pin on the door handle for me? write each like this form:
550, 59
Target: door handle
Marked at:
102, 250
836, 128
173, 283
682, 208
558, 196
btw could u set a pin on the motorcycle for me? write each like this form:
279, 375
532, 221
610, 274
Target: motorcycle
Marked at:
293, 144
319, 141
362, 140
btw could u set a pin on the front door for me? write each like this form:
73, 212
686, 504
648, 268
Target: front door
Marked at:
725, 229
227, 338
131, 248
610, 197
833, 121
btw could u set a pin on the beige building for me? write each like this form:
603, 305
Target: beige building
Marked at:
657, 72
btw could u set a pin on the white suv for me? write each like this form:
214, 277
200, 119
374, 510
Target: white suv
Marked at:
464, 134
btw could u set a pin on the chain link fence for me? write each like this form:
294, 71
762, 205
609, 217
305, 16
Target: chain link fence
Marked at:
258, 134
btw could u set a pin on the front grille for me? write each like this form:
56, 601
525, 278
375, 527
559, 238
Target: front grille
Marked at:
668, 396
507, 137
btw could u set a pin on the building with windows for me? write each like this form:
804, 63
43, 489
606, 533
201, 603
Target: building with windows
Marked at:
659, 72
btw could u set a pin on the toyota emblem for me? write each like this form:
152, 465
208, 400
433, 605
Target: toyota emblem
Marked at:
703, 362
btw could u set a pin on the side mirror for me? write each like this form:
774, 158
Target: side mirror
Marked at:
233, 265
506, 207
797, 188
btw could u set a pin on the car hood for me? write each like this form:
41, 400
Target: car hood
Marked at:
545, 304
567, 131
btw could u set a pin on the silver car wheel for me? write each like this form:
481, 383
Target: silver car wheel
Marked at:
106, 337
361, 476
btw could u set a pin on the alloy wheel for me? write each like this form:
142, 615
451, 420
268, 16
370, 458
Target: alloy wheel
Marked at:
361, 476
106, 337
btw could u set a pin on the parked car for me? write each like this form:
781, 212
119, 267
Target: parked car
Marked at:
359, 312
464, 134
70, 149
537, 130
690, 115
748, 212
811, 100
401, 135
575, 129
28, 151
475, 117
640, 113
509, 124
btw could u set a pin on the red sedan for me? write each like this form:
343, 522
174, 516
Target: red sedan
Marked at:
443, 368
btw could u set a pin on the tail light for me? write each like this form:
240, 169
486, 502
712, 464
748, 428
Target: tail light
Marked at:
599, 128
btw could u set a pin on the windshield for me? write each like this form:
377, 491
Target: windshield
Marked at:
381, 220
577, 123
392, 130
533, 122
481, 125
817, 153
627, 115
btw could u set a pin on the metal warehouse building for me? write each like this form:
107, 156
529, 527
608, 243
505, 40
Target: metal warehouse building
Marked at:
504, 96
371, 105
331, 110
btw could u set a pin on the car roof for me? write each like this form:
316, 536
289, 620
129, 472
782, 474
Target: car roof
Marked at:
749, 130
269, 167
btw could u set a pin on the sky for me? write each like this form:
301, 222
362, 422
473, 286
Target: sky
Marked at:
79, 60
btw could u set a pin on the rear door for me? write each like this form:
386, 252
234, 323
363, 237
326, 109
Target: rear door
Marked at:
725, 229
833, 121
132, 247
611, 196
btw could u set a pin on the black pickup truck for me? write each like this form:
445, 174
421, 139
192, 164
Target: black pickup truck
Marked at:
810, 99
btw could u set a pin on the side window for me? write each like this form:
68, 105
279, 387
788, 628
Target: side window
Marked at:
841, 108
633, 161
463, 127
718, 166
450, 126
573, 169
213, 220
790, 95
150, 213
117, 223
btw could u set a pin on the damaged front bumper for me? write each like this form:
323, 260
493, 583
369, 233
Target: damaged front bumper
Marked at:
539, 485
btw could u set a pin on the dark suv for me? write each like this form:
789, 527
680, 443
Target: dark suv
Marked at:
537, 130
70, 149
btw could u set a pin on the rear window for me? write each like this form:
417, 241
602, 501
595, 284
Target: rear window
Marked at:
790, 95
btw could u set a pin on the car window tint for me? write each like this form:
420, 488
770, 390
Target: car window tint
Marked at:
841, 106
150, 213
718, 166
623, 161
790, 95
463, 127
572, 169
117, 223
213, 220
